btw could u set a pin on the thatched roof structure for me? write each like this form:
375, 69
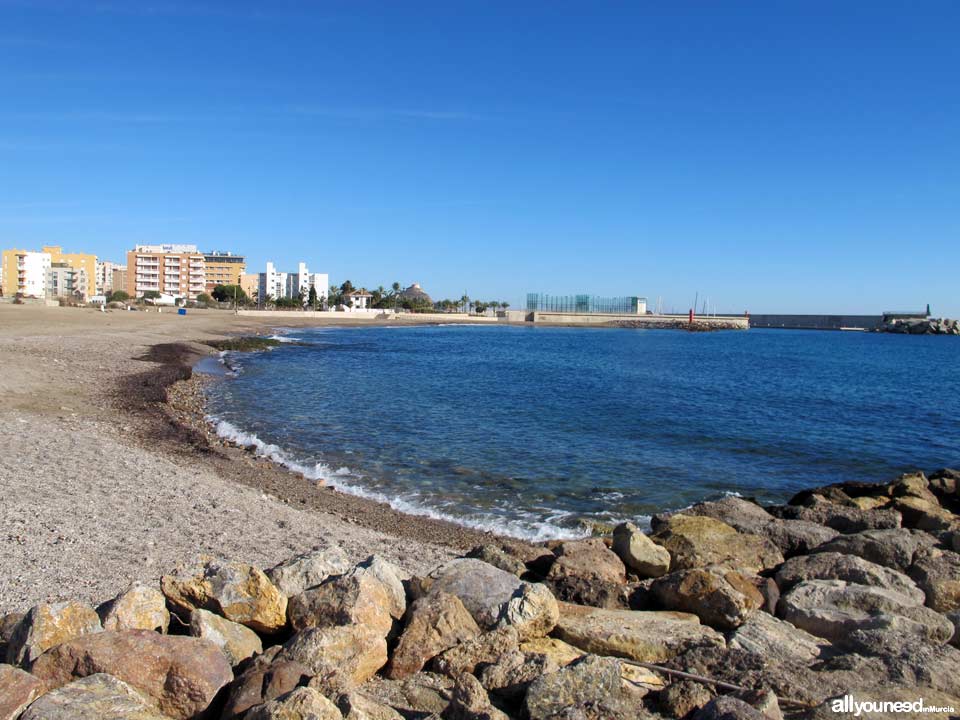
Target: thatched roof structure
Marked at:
415, 292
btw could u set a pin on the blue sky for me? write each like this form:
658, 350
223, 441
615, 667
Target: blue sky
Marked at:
771, 156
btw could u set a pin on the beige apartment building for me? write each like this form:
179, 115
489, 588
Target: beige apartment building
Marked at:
84, 264
249, 282
177, 270
223, 268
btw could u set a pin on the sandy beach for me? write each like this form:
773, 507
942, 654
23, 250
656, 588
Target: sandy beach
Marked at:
100, 485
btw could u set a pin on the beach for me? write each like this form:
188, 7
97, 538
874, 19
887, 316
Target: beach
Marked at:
101, 488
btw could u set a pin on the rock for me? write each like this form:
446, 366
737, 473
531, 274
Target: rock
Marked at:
890, 548
470, 702
301, 704
588, 573
841, 707
868, 502
357, 706
556, 650
843, 518
97, 697
834, 608
640, 553
679, 699
236, 641
498, 558
495, 597
796, 537
308, 570
591, 685
924, 514
359, 597
181, 675
487, 648
766, 635
436, 623
265, 679
139, 607
419, 696
239, 592
510, 676
8, 623
841, 566
392, 578
645, 636
45, 626
721, 598
698, 541
912, 485
727, 707
764, 701
17, 690
937, 572
343, 657
769, 591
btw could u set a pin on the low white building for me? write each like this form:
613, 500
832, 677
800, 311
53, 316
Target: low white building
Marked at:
357, 300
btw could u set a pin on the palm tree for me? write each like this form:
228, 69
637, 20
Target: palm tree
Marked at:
465, 302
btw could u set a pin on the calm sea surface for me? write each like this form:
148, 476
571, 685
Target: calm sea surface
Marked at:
533, 431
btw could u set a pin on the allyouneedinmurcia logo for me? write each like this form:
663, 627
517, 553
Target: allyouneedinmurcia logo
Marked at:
864, 708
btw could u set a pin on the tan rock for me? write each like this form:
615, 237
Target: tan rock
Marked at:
870, 502
720, 597
308, 570
937, 572
698, 541
18, 689
768, 636
46, 626
358, 597
139, 607
557, 650
436, 623
236, 641
96, 697
339, 657
424, 694
924, 514
357, 706
639, 553
591, 688
239, 592
485, 648
181, 675
304, 703
470, 702
681, 698
645, 636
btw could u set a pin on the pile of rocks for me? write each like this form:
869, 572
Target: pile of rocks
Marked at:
727, 610
922, 326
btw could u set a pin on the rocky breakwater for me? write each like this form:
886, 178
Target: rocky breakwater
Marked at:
726, 610
922, 326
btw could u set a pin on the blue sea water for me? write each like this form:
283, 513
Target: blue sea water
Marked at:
537, 431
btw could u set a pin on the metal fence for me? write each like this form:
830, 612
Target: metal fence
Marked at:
540, 302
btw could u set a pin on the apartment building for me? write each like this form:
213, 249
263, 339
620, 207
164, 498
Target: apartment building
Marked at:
275, 285
106, 274
84, 263
118, 278
250, 283
223, 268
24, 272
272, 285
178, 270
66, 281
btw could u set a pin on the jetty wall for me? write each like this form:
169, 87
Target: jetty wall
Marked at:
816, 322
556, 318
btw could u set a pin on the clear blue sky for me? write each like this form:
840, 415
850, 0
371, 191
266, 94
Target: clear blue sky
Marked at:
773, 156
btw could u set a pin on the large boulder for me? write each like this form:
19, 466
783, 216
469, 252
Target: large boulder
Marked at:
495, 597
843, 518
682, 697
639, 553
357, 706
96, 697
293, 576
139, 607
235, 640
435, 623
588, 688
17, 690
358, 597
46, 626
304, 703
937, 572
841, 566
498, 558
912, 485
239, 592
720, 597
645, 636
510, 676
697, 541
471, 702
832, 609
422, 695
181, 675
559, 652
588, 573
768, 636
8, 623
264, 679
892, 548
924, 514
340, 657
484, 649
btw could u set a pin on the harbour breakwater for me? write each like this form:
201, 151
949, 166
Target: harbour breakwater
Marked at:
922, 326
726, 610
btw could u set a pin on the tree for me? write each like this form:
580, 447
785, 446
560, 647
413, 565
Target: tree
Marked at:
334, 296
480, 307
204, 299
118, 296
227, 293
312, 299
465, 301
151, 295
504, 305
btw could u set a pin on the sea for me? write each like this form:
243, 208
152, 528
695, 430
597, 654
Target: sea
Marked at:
550, 432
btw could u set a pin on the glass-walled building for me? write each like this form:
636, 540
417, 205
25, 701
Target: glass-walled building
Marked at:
583, 304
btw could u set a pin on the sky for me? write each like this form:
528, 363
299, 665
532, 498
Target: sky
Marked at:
768, 156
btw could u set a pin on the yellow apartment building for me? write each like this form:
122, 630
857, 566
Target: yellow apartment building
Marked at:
223, 268
85, 263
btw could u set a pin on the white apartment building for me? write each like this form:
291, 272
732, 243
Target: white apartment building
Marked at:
25, 273
272, 285
275, 285
104, 282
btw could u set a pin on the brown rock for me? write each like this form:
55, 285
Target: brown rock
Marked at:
698, 541
510, 676
892, 548
720, 597
342, 657
842, 566
587, 572
265, 679
180, 674
46, 626
912, 485
498, 558
937, 572
924, 514
558, 651
8, 623
844, 518
484, 649
679, 699
470, 702
239, 592
424, 694
357, 706
97, 697
139, 607
308, 570
639, 553
304, 703
590, 688
436, 623
236, 641
17, 690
